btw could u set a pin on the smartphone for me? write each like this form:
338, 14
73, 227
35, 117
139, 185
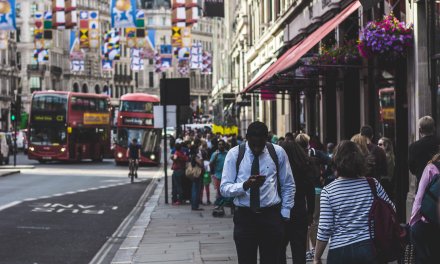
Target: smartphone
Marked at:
262, 177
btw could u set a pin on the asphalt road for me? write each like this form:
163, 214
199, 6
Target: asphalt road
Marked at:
64, 213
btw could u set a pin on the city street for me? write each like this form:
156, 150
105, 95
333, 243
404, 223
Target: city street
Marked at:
65, 213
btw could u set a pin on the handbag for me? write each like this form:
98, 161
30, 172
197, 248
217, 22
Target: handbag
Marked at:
192, 172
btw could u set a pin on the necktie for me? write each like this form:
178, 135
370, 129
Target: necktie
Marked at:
255, 192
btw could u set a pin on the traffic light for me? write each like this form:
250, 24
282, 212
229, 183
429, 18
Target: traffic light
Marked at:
13, 111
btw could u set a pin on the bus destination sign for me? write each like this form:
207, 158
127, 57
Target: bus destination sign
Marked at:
48, 118
136, 121
96, 119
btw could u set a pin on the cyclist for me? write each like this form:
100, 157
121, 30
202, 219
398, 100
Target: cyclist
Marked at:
133, 155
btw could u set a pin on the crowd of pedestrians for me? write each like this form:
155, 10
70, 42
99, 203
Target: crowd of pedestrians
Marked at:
295, 191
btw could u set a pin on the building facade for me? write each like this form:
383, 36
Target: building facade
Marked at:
279, 39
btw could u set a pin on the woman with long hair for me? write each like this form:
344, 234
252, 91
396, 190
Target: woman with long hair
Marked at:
425, 235
301, 214
345, 207
362, 143
387, 180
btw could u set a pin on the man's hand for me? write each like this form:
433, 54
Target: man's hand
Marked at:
254, 181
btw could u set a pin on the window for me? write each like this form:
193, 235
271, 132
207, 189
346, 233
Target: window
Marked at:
139, 107
151, 79
18, 9
34, 8
89, 104
150, 21
53, 102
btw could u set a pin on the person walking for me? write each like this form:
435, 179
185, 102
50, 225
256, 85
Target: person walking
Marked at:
179, 162
216, 164
196, 159
301, 214
425, 235
422, 151
387, 180
380, 159
258, 175
206, 180
362, 143
345, 207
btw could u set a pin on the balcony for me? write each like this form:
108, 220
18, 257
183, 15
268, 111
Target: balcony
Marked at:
36, 69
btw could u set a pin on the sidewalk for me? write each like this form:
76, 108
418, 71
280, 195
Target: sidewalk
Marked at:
175, 234
7, 172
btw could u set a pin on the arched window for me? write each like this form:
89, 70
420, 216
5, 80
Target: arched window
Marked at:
97, 89
76, 87
85, 88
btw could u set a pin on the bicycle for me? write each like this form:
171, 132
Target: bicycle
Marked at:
132, 168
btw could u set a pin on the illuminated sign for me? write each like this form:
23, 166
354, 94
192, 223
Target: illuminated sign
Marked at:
48, 118
136, 121
96, 119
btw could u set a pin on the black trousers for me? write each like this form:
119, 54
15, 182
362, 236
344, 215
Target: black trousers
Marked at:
258, 231
296, 235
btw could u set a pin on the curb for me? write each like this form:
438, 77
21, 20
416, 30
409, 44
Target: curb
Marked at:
9, 167
8, 173
130, 245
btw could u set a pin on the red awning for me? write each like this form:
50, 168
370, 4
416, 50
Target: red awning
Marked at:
291, 57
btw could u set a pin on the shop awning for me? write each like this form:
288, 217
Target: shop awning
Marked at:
291, 57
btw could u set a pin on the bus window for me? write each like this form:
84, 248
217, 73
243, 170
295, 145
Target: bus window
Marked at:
150, 140
48, 136
139, 107
52, 102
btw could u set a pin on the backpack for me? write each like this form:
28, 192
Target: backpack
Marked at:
273, 155
385, 231
431, 198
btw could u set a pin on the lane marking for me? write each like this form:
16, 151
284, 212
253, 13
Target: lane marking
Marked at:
9, 205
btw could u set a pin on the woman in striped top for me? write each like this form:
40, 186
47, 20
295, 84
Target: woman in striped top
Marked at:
345, 206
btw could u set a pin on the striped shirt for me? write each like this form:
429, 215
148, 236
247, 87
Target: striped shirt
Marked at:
345, 206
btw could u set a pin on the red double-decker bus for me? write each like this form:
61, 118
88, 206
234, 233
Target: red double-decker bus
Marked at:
69, 126
136, 120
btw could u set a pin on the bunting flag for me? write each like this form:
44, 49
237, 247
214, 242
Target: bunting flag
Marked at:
4, 36
41, 53
176, 37
136, 37
137, 63
196, 56
84, 41
178, 14
71, 14
186, 37
7, 15
76, 54
192, 12
123, 13
112, 49
166, 53
183, 67
157, 63
94, 31
107, 65
59, 14
47, 30
206, 63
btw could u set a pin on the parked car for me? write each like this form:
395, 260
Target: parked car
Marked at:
4, 148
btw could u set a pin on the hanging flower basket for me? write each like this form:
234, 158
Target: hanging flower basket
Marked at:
388, 38
345, 54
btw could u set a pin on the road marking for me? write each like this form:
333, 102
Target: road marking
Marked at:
34, 227
9, 205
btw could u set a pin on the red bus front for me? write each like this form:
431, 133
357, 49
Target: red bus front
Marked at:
135, 120
69, 126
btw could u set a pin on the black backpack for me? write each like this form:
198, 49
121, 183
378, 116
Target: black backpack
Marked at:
273, 155
431, 199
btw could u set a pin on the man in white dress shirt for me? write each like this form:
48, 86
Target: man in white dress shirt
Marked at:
263, 195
